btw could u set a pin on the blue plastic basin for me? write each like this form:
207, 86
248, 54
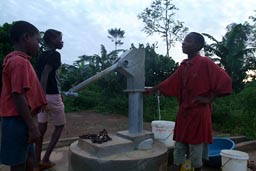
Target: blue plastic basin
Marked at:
215, 148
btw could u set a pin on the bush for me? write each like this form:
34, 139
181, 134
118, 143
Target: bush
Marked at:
117, 104
168, 108
86, 100
236, 114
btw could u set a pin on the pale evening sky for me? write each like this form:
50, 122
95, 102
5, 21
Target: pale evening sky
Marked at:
85, 23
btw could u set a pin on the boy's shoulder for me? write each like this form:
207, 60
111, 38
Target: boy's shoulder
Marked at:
206, 59
16, 57
51, 53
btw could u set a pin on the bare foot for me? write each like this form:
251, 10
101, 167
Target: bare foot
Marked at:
251, 165
46, 165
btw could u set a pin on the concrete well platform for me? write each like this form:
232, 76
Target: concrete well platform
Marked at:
118, 154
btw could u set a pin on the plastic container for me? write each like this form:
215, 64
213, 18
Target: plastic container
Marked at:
233, 160
214, 149
163, 132
186, 166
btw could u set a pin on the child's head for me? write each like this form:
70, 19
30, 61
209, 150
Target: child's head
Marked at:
193, 43
53, 39
25, 37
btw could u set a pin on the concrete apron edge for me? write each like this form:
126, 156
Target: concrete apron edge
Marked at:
68, 141
61, 143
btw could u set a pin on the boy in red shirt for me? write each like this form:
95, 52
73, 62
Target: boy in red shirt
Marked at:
195, 84
22, 97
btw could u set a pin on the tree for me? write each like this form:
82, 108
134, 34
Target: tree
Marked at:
157, 67
252, 38
5, 45
116, 35
87, 66
158, 18
233, 53
99, 62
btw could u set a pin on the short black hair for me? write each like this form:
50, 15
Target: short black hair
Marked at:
20, 28
51, 34
199, 39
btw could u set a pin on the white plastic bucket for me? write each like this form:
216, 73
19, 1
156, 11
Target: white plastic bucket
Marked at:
163, 131
233, 160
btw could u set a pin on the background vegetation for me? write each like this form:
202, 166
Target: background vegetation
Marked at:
235, 52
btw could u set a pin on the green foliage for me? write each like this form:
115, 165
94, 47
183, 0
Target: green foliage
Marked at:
5, 45
168, 108
247, 110
71, 75
222, 113
5, 40
114, 104
105, 94
157, 67
87, 99
236, 114
234, 55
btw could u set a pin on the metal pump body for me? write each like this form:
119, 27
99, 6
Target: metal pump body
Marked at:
132, 65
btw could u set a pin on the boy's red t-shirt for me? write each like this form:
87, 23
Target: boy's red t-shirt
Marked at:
19, 76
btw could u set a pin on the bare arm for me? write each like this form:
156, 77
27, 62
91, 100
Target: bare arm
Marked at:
44, 76
23, 109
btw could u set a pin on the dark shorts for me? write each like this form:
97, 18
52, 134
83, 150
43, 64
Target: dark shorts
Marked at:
14, 143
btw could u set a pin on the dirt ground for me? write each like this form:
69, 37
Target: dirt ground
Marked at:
85, 122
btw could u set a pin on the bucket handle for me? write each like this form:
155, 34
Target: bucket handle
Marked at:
166, 137
225, 163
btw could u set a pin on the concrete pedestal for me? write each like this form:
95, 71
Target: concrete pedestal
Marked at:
119, 154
